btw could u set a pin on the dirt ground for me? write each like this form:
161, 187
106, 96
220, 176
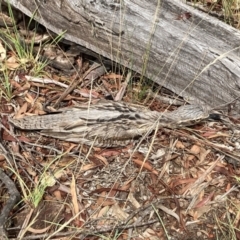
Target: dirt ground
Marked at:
172, 184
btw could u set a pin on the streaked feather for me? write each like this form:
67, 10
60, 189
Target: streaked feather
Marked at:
107, 123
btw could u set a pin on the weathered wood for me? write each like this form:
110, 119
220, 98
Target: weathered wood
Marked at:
197, 58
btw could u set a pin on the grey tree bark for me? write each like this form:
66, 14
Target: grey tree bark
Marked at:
197, 58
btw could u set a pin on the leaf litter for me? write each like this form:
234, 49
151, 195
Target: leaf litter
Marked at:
185, 187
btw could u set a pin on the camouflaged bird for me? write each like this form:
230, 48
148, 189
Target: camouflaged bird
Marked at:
108, 123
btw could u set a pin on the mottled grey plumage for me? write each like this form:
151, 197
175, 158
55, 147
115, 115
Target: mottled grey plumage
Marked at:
107, 123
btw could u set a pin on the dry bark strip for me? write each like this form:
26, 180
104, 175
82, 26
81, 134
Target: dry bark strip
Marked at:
14, 197
139, 33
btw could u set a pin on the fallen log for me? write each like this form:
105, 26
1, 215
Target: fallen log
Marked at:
196, 57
